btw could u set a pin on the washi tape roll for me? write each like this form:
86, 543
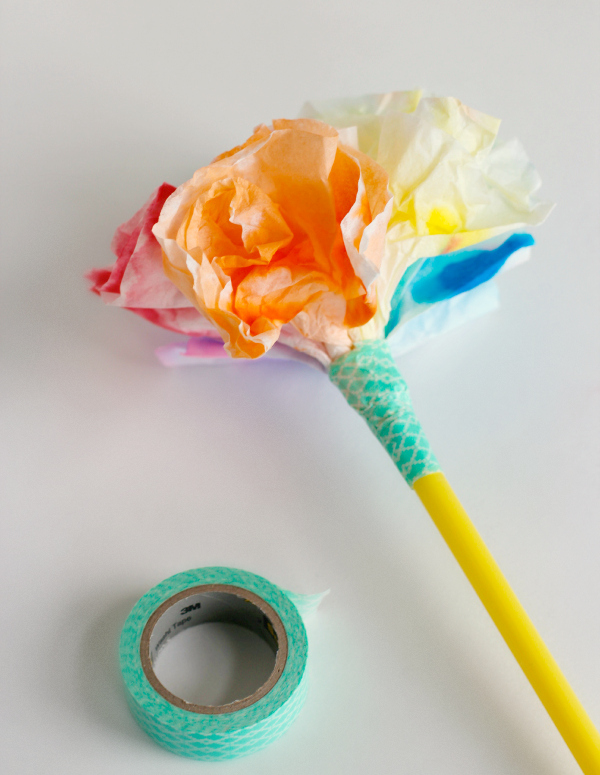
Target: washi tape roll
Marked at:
212, 732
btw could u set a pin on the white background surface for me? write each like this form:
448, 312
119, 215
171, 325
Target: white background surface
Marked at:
117, 473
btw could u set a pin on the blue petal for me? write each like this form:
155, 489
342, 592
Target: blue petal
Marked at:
439, 278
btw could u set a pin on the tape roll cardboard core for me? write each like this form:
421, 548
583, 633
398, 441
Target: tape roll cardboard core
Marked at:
213, 603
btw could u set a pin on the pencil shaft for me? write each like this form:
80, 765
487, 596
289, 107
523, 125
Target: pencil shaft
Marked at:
512, 621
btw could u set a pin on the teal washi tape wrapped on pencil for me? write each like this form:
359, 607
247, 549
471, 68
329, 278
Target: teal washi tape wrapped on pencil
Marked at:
216, 594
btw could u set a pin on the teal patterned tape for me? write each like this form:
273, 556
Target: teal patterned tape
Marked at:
217, 594
371, 383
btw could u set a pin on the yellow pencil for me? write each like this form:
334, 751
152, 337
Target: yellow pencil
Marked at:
370, 381
510, 618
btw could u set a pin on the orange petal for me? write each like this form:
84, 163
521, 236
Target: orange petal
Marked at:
263, 228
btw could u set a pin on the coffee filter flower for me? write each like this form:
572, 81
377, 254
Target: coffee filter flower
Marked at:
461, 203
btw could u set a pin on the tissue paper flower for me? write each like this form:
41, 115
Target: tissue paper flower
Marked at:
460, 196
288, 228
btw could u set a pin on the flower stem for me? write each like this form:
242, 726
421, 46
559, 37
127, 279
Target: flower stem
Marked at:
371, 383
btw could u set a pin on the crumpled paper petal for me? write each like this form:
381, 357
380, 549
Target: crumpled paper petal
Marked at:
454, 184
287, 229
136, 281
430, 281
